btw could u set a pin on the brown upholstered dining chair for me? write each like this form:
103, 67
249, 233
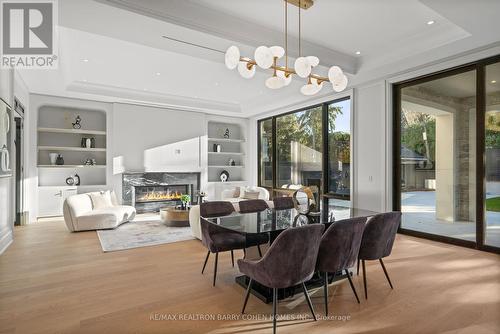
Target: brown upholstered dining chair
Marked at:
253, 205
378, 239
220, 239
290, 261
339, 249
283, 203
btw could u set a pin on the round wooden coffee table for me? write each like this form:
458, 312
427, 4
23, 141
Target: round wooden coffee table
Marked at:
174, 217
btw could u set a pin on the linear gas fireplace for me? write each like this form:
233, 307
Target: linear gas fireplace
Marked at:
153, 198
149, 192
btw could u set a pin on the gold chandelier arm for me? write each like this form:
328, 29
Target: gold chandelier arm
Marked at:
288, 71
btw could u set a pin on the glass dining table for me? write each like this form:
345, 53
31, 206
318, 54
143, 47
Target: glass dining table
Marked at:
272, 222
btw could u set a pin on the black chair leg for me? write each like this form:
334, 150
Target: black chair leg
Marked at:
364, 278
260, 252
275, 302
385, 272
249, 287
244, 253
308, 301
205, 264
325, 292
352, 285
215, 267
357, 272
232, 257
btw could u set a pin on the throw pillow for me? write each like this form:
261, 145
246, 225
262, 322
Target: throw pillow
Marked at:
251, 194
100, 200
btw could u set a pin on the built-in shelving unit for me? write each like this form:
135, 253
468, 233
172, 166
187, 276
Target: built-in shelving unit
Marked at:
231, 140
57, 135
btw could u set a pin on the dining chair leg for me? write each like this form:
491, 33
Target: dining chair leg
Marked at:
244, 253
308, 299
260, 252
352, 285
204, 264
275, 302
325, 292
357, 272
215, 267
232, 257
249, 287
364, 278
385, 272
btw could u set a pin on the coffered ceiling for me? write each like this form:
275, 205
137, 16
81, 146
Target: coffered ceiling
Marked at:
116, 50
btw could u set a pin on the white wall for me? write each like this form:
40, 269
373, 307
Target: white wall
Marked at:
11, 85
370, 161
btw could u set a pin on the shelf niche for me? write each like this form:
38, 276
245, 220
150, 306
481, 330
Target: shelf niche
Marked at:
56, 135
231, 148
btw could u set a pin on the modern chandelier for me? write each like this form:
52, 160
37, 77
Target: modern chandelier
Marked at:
267, 58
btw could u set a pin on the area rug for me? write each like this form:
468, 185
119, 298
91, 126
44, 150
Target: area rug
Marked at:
141, 233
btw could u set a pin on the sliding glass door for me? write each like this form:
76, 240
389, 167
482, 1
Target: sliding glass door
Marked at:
447, 155
492, 155
308, 147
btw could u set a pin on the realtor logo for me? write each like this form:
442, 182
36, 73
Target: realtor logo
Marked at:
28, 34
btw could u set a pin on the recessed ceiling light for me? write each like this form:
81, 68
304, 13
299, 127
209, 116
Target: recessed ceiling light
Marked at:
158, 73
145, 89
431, 22
493, 81
84, 80
358, 52
216, 83
85, 60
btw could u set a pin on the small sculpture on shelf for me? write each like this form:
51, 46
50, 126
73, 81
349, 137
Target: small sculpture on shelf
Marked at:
59, 160
78, 123
90, 162
231, 162
224, 176
76, 177
88, 142
226, 133
53, 158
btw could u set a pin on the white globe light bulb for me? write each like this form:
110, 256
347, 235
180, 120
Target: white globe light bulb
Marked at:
277, 51
302, 67
286, 80
334, 73
275, 82
232, 57
311, 88
263, 57
340, 84
244, 71
313, 61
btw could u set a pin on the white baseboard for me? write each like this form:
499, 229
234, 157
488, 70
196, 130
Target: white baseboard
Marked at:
5, 241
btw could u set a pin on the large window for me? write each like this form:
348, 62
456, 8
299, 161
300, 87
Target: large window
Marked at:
446, 155
304, 153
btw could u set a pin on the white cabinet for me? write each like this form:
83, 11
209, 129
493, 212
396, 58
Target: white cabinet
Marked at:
51, 200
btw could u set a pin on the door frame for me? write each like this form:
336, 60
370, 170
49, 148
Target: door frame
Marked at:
478, 66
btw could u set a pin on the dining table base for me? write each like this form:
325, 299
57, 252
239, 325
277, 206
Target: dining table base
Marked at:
266, 294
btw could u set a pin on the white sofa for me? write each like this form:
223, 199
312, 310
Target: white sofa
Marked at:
95, 211
226, 195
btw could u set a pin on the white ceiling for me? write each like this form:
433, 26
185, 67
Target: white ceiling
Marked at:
122, 40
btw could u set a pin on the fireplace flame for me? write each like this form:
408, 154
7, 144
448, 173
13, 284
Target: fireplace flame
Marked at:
161, 196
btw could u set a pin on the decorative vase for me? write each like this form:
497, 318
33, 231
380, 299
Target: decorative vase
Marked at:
53, 158
76, 177
59, 160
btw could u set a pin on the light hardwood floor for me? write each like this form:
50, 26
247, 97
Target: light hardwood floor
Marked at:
53, 281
